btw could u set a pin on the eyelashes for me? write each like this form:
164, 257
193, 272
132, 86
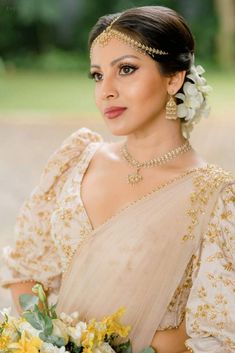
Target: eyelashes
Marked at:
124, 70
93, 76
130, 68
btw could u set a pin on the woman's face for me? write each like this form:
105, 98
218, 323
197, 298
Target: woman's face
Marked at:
130, 91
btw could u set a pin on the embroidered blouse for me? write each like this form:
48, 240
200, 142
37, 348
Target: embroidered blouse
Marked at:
53, 220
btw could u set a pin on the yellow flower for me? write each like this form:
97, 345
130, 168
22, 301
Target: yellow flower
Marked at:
26, 344
113, 324
4, 341
88, 337
101, 331
95, 333
93, 336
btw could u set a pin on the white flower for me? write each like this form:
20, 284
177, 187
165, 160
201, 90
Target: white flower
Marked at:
25, 326
6, 312
199, 81
194, 100
60, 330
70, 319
104, 348
75, 333
50, 348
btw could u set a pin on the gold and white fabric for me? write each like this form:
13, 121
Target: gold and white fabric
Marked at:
176, 261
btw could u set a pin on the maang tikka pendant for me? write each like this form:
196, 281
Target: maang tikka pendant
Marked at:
135, 178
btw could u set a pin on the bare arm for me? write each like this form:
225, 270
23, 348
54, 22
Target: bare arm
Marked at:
170, 341
20, 288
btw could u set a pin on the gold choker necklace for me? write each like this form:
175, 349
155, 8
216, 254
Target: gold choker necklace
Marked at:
137, 177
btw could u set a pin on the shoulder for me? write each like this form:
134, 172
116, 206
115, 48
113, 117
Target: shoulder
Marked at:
213, 177
66, 155
211, 185
81, 138
221, 183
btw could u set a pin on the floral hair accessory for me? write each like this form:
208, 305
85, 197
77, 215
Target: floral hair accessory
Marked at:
194, 104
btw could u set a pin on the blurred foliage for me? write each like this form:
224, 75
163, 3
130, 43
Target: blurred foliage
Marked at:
33, 11
53, 34
51, 60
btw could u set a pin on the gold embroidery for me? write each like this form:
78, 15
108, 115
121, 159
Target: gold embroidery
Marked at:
202, 292
205, 184
228, 266
188, 347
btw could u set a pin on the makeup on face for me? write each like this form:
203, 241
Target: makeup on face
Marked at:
114, 112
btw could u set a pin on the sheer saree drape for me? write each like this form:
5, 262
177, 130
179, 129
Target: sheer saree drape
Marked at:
138, 258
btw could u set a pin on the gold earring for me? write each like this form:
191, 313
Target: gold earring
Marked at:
171, 109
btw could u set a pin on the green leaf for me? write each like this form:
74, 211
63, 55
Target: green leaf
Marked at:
52, 312
28, 301
57, 341
48, 328
123, 347
44, 320
148, 350
32, 318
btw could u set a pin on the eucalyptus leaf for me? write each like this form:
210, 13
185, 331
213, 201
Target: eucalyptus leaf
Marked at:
32, 318
57, 341
41, 318
48, 328
28, 301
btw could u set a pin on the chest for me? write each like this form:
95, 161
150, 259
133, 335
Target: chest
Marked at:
105, 190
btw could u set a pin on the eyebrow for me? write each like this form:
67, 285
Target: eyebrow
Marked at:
118, 59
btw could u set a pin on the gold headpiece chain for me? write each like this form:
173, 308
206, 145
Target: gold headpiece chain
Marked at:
137, 177
109, 33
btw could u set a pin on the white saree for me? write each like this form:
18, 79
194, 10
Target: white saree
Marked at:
168, 255
137, 259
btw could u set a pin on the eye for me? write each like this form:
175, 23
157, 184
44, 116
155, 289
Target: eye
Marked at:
127, 69
96, 76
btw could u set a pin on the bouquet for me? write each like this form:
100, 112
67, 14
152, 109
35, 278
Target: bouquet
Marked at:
40, 330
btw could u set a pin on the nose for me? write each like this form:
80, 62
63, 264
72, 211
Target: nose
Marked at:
108, 89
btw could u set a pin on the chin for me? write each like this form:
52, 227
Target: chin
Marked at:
119, 130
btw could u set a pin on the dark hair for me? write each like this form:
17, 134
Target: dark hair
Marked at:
157, 27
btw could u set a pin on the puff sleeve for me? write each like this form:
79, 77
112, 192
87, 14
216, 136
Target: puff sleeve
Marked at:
34, 255
210, 310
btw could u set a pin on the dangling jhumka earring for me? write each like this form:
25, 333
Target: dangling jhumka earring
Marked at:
109, 33
171, 109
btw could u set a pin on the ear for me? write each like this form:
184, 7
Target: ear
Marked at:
175, 82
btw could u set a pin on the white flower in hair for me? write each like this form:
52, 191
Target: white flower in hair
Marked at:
194, 100
199, 81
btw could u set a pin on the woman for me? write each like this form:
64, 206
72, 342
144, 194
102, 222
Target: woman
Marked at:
144, 222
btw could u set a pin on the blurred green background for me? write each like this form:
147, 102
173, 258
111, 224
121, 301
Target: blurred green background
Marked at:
44, 59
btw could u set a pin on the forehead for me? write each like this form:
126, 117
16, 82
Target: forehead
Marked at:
113, 49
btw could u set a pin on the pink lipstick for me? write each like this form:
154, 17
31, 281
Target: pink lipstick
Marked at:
114, 112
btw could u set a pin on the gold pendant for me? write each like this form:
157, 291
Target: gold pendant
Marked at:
134, 178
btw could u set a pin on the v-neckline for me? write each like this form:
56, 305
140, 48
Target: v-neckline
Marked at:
91, 150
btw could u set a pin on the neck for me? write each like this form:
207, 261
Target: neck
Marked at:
147, 144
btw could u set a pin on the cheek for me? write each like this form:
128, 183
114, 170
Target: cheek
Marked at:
146, 91
97, 96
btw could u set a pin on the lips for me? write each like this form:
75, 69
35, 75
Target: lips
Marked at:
114, 112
